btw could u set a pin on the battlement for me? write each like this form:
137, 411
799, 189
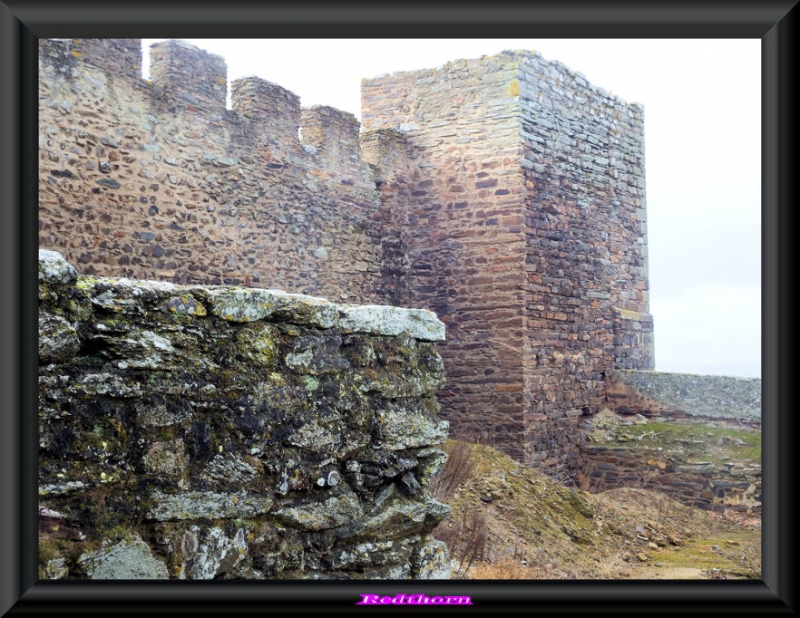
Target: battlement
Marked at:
272, 111
387, 153
334, 134
123, 57
189, 74
158, 180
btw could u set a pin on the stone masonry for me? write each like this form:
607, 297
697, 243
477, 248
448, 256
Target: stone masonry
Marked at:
520, 215
221, 432
506, 194
160, 181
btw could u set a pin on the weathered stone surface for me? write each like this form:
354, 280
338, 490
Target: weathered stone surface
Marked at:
228, 434
317, 355
431, 561
124, 560
230, 468
241, 305
386, 320
714, 397
304, 309
404, 425
53, 268
398, 517
259, 346
331, 513
54, 569
208, 505
58, 340
208, 552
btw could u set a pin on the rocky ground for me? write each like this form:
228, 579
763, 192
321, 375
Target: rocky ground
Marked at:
511, 522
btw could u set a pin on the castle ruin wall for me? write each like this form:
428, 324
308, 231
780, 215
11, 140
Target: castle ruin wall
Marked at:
586, 288
221, 432
505, 193
526, 210
158, 180
695, 397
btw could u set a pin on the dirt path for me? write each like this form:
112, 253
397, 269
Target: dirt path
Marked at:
652, 572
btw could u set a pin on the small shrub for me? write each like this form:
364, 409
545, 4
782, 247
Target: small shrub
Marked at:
465, 539
457, 471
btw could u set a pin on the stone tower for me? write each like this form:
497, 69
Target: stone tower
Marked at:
515, 191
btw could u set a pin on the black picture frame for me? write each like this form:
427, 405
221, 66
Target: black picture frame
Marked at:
23, 22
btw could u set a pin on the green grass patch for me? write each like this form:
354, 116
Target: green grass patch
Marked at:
710, 442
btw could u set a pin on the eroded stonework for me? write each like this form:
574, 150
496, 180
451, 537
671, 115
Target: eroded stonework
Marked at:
218, 432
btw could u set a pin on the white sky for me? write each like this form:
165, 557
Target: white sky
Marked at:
702, 101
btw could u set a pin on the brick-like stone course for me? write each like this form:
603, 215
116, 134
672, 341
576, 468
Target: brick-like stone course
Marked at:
733, 485
526, 209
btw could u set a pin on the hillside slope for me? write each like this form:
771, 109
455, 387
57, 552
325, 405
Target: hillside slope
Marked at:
512, 522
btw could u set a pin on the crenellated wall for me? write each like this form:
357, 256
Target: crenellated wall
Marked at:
218, 432
159, 181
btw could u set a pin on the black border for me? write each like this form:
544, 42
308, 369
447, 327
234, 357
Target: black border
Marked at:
23, 22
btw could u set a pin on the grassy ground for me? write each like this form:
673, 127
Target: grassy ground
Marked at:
511, 522
716, 444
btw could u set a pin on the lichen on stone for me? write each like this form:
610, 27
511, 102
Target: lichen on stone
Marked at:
329, 513
207, 505
58, 339
124, 560
386, 320
231, 433
241, 305
54, 269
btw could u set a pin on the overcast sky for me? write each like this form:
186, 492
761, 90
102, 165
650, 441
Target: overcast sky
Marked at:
702, 102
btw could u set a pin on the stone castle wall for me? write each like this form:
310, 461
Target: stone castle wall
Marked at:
586, 289
464, 254
160, 181
220, 432
706, 462
696, 397
703, 484
525, 210
505, 194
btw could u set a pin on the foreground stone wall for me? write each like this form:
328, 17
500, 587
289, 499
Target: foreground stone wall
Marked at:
220, 432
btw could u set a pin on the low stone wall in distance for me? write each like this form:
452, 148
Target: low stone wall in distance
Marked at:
693, 437
717, 398
191, 432
703, 483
